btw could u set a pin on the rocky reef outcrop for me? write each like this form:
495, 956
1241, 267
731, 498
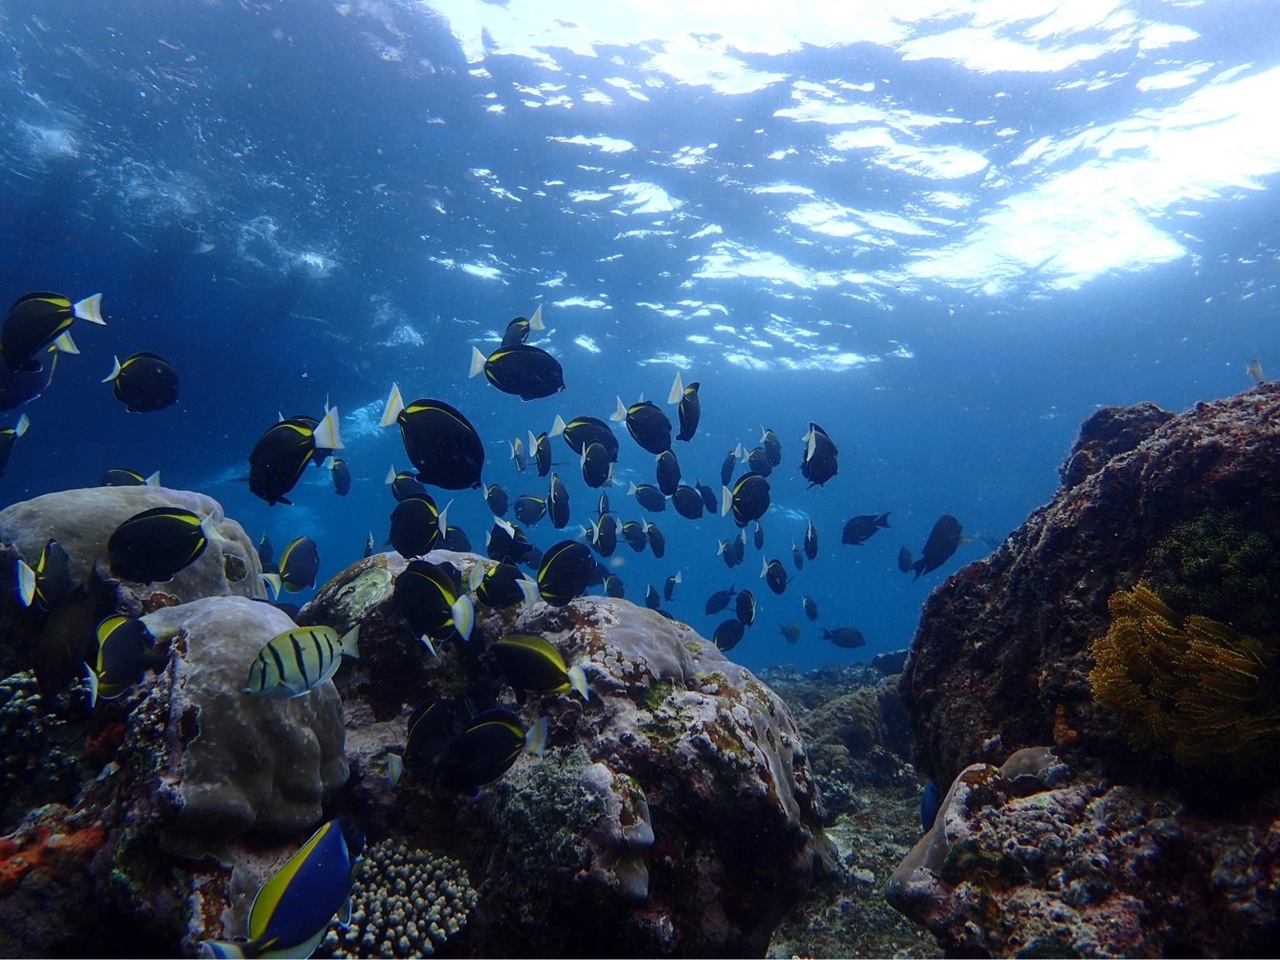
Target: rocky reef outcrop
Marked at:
632, 822
1151, 835
671, 813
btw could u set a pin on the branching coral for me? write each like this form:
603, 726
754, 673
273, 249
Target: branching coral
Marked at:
1191, 686
404, 903
35, 766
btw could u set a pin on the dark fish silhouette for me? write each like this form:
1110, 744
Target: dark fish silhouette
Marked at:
496, 499
846, 637
144, 382
688, 502
648, 496
439, 440
529, 373
819, 463
775, 575
748, 499
580, 432
558, 502
647, 425
719, 600
415, 526
341, 475
858, 529
690, 409
657, 542
942, 543
727, 635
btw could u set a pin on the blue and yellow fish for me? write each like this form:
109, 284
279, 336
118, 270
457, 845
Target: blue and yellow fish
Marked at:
293, 910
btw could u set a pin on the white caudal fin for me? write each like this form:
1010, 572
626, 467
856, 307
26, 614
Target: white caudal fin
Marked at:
530, 590
26, 582
115, 371
535, 738
395, 766
90, 308
350, 643
578, 681
463, 613
621, 413
272, 580
535, 322
326, 436
395, 403
557, 428
677, 390
431, 647
477, 362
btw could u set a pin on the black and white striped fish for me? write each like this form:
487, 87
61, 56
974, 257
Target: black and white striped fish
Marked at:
295, 662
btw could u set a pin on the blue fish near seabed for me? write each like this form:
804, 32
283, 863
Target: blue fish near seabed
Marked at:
293, 910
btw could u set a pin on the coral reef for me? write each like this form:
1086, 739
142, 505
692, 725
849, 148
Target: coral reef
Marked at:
871, 801
1189, 686
193, 792
226, 762
404, 903
48, 901
1047, 864
38, 764
82, 520
1002, 653
1134, 852
632, 821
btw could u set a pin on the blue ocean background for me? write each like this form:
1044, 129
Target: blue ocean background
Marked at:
871, 222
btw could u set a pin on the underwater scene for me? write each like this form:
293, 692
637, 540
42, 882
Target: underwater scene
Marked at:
639, 479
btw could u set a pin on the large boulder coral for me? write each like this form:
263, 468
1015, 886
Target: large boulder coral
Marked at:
82, 521
627, 836
190, 789
1022, 649
233, 762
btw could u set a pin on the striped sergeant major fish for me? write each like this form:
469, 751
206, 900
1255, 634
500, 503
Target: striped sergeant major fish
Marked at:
293, 663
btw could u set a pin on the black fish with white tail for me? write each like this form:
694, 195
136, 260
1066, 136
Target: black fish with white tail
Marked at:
439, 440
819, 462
689, 410
529, 373
144, 382
39, 319
647, 425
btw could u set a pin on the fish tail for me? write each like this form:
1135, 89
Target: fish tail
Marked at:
90, 308
477, 362
350, 647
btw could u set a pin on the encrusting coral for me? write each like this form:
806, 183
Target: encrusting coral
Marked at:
1192, 686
